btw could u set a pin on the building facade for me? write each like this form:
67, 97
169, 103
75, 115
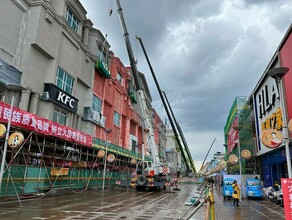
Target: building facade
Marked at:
263, 117
73, 99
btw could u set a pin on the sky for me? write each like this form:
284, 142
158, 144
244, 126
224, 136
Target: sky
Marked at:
204, 53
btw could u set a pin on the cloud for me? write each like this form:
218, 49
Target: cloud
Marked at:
204, 54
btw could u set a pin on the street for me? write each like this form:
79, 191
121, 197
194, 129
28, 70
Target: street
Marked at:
128, 204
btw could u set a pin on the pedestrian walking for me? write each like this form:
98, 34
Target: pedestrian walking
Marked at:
236, 193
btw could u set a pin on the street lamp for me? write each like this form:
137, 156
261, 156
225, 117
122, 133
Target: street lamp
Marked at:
107, 130
278, 73
13, 88
239, 160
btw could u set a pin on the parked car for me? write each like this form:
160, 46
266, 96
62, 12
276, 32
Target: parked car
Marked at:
227, 189
253, 188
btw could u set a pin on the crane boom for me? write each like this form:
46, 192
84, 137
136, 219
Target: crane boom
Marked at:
140, 91
165, 105
192, 165
155, 173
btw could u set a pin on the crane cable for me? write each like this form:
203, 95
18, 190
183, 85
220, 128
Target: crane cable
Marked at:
110, 11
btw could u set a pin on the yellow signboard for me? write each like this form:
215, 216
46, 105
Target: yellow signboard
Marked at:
59, 171
2, 130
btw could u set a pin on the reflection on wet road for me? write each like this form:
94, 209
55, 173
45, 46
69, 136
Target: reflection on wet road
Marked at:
129, 204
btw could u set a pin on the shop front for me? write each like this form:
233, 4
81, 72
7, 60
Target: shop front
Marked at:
274, 166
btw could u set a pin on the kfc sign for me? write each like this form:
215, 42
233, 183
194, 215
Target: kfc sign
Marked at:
65, 99
60, 97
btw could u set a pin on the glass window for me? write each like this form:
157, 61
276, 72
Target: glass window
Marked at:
253, 183
119, 78
59, 117
64, 81
72, 20
96, 104
117, 119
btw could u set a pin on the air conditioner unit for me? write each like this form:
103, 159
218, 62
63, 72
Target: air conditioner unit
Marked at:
45, 96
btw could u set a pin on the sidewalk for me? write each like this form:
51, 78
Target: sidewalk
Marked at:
248, 209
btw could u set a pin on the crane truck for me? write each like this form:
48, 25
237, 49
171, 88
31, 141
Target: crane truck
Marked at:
152, 174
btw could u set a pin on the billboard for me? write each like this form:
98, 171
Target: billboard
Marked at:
268, 113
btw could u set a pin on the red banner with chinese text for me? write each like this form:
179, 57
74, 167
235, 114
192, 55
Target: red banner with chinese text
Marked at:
232, 136
44, 126
286, 184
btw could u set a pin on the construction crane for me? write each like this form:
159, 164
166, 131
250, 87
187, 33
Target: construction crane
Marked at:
190, 159
170, 115
152, 174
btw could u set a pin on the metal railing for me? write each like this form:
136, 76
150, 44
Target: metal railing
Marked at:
208, 198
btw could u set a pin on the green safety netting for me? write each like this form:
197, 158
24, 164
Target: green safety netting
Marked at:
241, 109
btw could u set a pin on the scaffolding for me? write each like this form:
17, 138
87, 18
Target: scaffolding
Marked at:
241, 110
43, 163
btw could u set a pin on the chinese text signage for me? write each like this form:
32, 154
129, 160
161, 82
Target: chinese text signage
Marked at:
33, 122
286, 184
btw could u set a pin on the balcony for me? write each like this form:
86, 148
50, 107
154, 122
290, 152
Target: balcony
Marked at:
103, 69
94, 116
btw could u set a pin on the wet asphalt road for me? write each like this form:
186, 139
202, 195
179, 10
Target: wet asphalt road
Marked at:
128, 204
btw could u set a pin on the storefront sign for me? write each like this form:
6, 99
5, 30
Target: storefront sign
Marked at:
271, 138
65, 99
15, 139
286, 184
2, 130
100, 153
133, 161
245, 154
232, 136
233, 159
290, 125
267, 96
58, 96
110, 158
59, 171
44, 126
268, 114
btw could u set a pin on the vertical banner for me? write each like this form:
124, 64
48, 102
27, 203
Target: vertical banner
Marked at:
286, 184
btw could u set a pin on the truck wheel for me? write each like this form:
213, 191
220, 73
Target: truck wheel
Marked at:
141, 181
140, 188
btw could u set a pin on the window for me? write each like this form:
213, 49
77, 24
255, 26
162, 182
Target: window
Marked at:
72, 20
64, 81
96, 104
101, 54
59, 117
119, 78
117, 119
